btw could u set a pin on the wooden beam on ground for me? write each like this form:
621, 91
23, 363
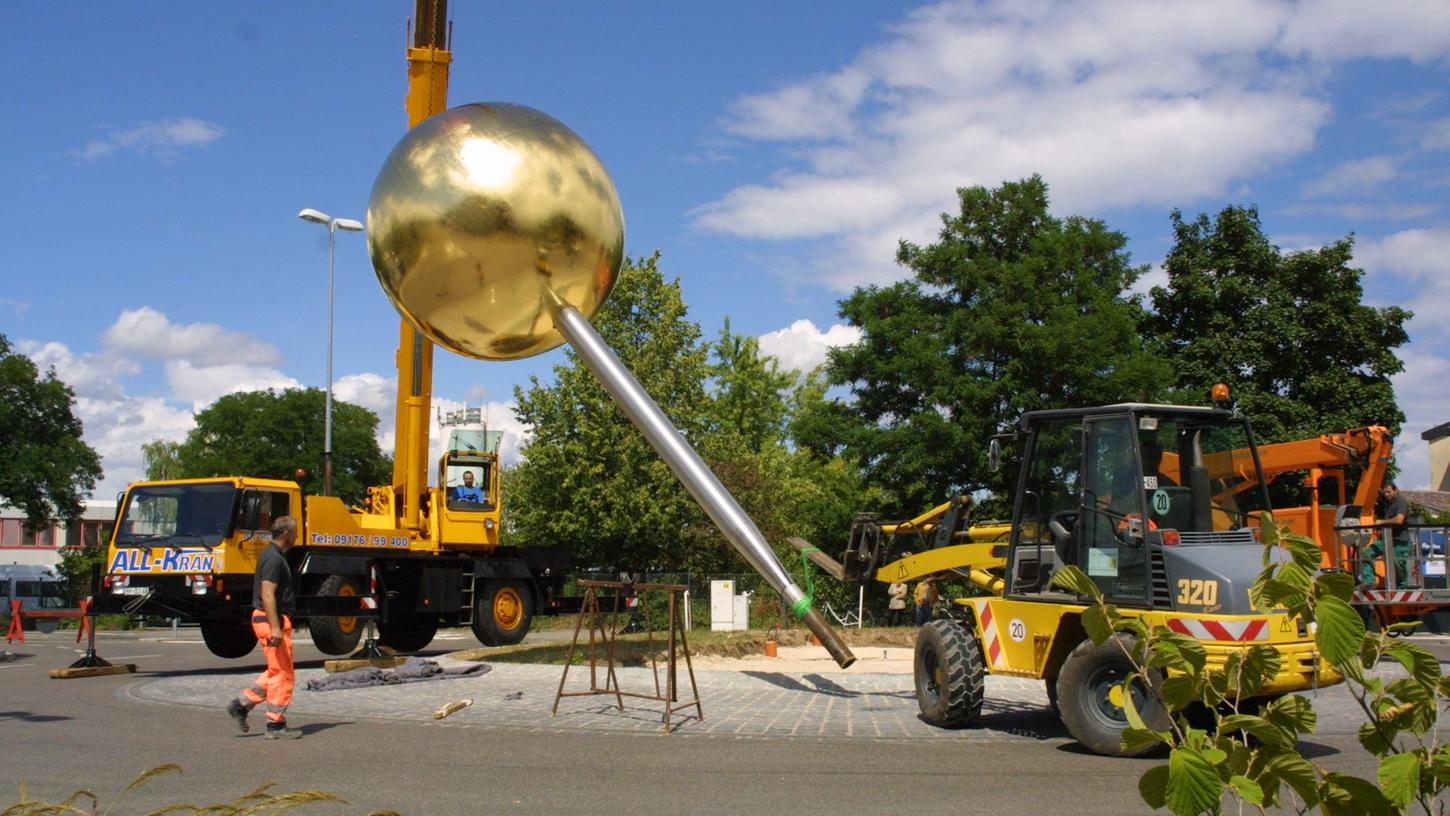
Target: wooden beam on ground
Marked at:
363, 663
92, 671
445, 710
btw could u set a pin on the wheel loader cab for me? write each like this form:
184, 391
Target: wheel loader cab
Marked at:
1120, 490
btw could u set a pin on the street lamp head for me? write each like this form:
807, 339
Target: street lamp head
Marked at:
309, 214
349, 225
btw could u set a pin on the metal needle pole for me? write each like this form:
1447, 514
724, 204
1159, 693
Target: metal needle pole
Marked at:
692, 471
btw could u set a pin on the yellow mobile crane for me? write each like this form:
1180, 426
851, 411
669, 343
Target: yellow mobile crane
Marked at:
1142, 498
415, 557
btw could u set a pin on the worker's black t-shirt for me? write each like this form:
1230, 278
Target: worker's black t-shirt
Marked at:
1398, 506
272, 566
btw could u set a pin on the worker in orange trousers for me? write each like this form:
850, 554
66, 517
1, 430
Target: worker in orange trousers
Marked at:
274, 602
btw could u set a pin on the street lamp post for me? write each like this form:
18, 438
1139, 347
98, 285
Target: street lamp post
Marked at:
333, 225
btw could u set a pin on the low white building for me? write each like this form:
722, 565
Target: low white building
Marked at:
19, 545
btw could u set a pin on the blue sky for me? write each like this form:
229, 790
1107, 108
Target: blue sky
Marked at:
157, 154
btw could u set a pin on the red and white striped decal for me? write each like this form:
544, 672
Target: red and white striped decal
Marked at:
1389, 595
1238, 630
989, 634
370, 600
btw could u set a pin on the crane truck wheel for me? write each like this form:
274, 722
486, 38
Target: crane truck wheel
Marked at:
1089, 696
408, 632
337, 636
228, 638
503, 613
950, 674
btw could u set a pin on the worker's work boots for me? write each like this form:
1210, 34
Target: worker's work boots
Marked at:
281, 731
239, 715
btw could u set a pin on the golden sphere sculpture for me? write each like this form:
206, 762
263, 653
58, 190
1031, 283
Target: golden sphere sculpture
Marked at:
486, 217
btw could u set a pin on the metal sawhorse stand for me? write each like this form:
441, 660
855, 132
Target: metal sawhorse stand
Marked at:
677, 643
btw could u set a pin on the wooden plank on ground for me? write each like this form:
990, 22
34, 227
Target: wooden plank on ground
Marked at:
92, 671
363, 663
449, 708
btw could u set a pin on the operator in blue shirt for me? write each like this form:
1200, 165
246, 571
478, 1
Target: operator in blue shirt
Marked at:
467, 492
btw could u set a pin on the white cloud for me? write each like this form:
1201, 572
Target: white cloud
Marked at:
1157, 275
117, 428
165, 138
1436, 135
96, 376
1379, 211
145, 332
1419, 262
1116, 104
201, 385
1353, 177
116, 424
1345, 29
801, 346
1419, 254
1423, 392
821, 109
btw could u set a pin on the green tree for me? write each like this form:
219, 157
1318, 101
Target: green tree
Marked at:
161, 459
274, 434
48, 469
1011, 310
749, 392
589, 481
1288, 332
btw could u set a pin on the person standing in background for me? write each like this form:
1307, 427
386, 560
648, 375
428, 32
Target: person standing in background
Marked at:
896, 607
926, 598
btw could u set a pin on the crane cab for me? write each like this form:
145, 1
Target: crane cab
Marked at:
468, 488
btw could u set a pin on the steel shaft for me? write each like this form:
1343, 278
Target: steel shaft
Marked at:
690, 469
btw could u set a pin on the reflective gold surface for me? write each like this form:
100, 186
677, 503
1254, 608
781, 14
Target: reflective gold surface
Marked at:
485, 213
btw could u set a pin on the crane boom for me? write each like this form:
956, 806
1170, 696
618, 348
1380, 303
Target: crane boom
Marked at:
428, 60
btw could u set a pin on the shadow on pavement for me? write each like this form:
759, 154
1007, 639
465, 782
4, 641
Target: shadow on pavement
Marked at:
26, 716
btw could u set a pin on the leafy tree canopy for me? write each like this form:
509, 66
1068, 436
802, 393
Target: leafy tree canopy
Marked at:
750, 392
1011, 310
48, 470
1289, 333
272, 434
589, 480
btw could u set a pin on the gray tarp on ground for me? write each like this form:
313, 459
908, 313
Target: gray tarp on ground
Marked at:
414, 670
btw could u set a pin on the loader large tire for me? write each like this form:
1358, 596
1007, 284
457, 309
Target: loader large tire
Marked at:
503, 613
337, 636
1089, 695
228, 639
408, 631
950, 674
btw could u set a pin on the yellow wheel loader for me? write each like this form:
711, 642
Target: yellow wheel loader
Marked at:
1147, 500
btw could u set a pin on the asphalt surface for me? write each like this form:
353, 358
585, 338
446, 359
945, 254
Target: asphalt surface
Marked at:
816, 742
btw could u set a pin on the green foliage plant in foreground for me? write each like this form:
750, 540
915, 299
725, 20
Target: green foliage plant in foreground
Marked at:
1246, 749
257, 803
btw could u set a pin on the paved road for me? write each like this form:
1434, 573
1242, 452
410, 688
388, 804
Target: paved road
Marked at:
805, 743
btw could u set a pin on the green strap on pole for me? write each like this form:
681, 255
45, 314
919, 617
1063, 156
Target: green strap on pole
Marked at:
801, 607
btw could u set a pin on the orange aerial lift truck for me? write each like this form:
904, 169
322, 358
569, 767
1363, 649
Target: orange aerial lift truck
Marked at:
1344, 526
1134, 495
414, 557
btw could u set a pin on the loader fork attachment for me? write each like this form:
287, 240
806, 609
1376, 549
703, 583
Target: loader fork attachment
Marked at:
863, 549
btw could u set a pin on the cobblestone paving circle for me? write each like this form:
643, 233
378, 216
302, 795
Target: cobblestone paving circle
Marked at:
739, 704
